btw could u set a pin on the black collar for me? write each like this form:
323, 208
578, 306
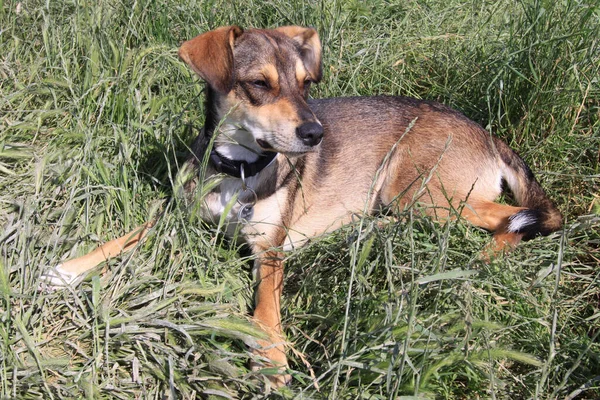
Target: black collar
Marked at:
235, 167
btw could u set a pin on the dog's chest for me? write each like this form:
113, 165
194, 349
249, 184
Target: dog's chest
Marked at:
239, 212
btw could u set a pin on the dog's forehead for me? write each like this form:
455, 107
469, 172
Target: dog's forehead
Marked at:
256, 48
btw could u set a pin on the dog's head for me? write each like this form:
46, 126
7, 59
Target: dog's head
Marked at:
262, 78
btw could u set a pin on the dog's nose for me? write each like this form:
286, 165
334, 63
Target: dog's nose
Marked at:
310, 133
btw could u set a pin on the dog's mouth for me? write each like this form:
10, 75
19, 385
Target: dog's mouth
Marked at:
266, 146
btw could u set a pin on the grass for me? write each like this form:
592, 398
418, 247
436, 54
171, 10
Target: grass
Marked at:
94, 116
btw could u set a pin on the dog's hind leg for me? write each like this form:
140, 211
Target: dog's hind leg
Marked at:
68, 271
497, 218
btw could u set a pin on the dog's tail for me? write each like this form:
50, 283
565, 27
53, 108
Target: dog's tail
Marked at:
541, 217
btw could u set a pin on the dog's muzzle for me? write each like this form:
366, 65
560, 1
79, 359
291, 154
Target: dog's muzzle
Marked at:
311, 133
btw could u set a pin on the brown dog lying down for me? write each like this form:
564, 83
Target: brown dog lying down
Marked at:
295, 168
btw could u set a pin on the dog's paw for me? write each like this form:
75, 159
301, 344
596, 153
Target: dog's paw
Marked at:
55, 278
271, 362
275, 377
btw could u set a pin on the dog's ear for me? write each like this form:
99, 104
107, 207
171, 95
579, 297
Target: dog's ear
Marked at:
210, 55
310, 48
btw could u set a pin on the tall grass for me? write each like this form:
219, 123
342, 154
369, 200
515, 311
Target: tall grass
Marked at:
95, 116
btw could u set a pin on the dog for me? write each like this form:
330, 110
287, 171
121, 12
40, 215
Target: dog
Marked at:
286, 168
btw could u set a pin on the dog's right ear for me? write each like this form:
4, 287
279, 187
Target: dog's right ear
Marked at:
210, 55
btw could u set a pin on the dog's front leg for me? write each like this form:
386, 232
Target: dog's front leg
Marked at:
267, 314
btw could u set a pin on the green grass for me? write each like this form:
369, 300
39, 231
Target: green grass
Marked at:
94, 116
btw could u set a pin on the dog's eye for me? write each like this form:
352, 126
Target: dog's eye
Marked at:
307, 83
259, 83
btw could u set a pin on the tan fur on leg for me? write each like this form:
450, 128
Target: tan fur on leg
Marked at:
70, 270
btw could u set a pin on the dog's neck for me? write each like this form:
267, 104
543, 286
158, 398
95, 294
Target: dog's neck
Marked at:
234, 147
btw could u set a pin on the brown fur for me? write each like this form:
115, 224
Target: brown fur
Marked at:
376, 152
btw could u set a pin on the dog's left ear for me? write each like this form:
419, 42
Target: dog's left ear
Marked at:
310, 48
210, 55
